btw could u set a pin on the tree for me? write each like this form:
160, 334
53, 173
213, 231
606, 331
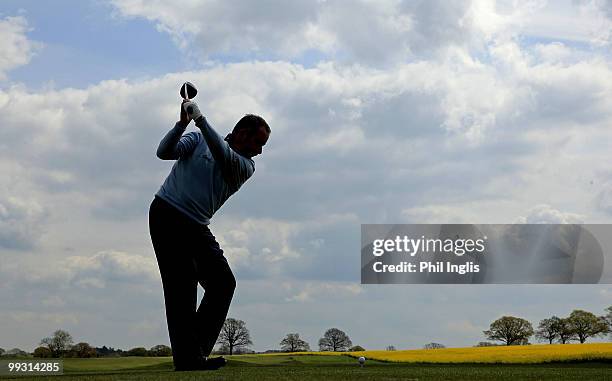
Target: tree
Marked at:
293, 343
1, 351
564, 331
390, 348
433, 346
83, 350
357, 348
138, 351
234, 334
160, 351
222, 350
585, 324
60, 342
608, 318
510, 330
334, 340
548, 329
523, 341
42, 352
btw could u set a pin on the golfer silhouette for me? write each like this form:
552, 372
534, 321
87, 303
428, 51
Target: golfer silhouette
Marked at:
207, 171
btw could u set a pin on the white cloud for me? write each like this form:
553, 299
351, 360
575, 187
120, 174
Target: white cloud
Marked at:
453, 131
465, 327
18, 316
582, 22
312, 291
604, 199
111, 266
440, 214
368, 31
86, 283
258, 246
220, 27
144, 328
15, 48
555, 52
21, 222
53, 301
101, 270
599, 15
545, 214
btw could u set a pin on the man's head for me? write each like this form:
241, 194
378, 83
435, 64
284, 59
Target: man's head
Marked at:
249, 135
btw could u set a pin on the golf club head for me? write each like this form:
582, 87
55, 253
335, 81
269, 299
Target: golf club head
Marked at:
188, 91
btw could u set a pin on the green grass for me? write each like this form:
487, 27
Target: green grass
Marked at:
313, 367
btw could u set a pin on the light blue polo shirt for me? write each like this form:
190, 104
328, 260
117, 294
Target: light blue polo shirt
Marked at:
206, 172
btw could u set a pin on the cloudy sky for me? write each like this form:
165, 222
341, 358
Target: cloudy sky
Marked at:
381, 112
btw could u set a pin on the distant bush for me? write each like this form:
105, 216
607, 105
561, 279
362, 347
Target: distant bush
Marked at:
43, 352
486, 344
160, 351
16, 353
138, 351
108, 352
81, 350
433, 346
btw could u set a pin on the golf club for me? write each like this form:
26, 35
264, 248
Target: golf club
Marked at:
188, 91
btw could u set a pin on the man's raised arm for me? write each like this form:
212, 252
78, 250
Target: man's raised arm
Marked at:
237, 168
174, 145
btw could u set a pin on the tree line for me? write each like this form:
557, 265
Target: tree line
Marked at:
61, 344
235, 338
579, 326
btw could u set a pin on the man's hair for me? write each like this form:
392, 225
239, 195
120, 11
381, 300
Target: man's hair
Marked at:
251, 123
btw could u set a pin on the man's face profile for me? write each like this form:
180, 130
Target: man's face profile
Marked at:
251, 143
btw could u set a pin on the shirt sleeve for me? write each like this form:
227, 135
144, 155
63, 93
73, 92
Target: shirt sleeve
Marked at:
236, 168
174, 145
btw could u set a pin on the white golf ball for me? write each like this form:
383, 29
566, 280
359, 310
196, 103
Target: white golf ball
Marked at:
362, 360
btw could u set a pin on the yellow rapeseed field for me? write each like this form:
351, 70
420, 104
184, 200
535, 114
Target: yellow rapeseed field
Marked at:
499, 354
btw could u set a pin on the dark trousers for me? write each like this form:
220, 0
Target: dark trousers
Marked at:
187, 254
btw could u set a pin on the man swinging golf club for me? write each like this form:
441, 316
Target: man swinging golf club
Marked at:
207, 171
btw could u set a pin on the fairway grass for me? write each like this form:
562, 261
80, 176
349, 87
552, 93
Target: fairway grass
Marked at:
344, 366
